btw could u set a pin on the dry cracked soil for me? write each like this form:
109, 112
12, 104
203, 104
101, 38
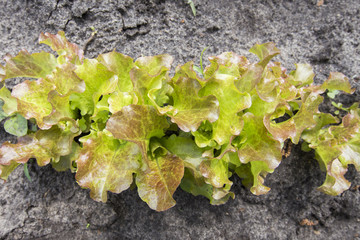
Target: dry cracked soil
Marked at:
325, 34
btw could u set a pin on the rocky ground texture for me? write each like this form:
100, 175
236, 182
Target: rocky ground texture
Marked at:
323, 33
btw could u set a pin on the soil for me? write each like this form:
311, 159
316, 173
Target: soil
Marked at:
323, 33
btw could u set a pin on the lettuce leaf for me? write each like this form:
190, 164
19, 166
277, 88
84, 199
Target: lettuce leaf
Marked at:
9, 102
194, 183
99, 80
66, 50
188, 109
158, 182
231, 101
5, 170
137, 123
335, 148
104, 164
158, 179
44, 145
36, 65
121, 65
259, 149
32, 100
149, 74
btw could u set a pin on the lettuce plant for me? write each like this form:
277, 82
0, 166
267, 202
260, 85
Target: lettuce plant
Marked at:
118, 123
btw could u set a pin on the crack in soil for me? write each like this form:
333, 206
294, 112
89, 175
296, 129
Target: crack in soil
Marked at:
51, 12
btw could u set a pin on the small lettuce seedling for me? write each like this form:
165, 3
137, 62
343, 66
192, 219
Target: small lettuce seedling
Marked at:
115, 121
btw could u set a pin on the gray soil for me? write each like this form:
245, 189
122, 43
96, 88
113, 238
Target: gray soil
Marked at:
53, 206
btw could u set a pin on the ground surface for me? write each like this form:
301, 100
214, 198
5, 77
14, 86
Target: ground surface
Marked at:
53, 206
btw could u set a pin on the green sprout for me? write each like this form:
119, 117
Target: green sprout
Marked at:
192, 5
200, 69
26, 172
